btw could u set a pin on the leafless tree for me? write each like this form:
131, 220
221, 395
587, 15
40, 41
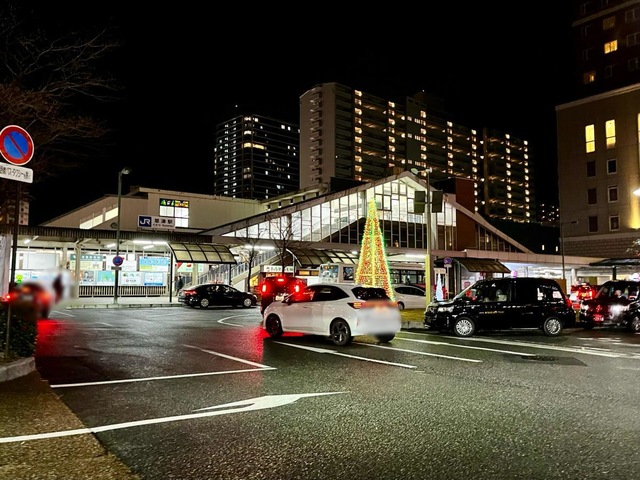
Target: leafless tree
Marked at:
53, 87
250, 240
282, 231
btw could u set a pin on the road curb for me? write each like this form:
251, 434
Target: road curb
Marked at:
122, 305
18, 368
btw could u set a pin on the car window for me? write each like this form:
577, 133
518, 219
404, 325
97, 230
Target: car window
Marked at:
401, 290
415, 291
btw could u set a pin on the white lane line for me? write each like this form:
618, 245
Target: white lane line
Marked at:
333, 352
241, 360
581, 350
104, 323
165, 377
222, 320
431, 342
61, 313
420, 353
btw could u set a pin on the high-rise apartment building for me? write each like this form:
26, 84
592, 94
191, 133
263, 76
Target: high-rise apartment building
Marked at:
606, 44
349, 134
599, 132
256, 157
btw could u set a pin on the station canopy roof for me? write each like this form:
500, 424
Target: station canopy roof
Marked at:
202, 253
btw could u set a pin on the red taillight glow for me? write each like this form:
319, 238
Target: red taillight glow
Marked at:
263, 289
568, 302
296, 288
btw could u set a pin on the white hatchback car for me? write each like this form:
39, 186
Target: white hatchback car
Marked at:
339, 311
410, 296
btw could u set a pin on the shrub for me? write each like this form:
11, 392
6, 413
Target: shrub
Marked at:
23, 329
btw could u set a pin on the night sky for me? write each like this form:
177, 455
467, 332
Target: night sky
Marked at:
186, 70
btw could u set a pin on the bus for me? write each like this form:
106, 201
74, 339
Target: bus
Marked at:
346, 273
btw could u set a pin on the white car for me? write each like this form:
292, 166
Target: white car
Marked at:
339, 311
410, 296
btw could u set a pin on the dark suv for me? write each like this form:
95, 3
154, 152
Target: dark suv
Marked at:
615, 305
502, 304
274, 289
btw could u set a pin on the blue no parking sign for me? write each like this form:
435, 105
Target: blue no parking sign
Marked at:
16, 145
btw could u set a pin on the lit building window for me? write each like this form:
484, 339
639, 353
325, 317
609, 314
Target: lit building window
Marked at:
610, 131
610, 46
590, 138
589, 77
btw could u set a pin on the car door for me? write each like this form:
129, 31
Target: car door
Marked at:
529, 303
494, 306
329, 302
228, 295
297, 310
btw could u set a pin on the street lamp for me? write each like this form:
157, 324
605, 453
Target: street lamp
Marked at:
573, 222
427, 263
124, 171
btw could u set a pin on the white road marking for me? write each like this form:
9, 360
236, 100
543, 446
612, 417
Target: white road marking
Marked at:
165, 377
222, 320
241, 360
59, 312
333, 352
420, 353
431, 342
259, 403
581, 350
104, 323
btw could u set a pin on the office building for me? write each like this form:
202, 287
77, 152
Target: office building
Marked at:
347, 134
598, 132
256, 157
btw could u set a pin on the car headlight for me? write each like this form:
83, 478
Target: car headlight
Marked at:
446, 309
618, 309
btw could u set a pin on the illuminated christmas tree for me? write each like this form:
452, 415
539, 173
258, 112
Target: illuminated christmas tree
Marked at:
373, 269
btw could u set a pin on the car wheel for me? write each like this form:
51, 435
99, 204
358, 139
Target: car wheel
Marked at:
401, 305
204, 303
552, 326
634, 324
273, 326
340, 333
463, 327
385, 338
246, 303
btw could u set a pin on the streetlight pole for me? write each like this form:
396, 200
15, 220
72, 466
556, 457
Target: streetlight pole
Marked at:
427, 264
564, 278
124, 171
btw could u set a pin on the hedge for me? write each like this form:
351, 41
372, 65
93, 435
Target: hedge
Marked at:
23, 330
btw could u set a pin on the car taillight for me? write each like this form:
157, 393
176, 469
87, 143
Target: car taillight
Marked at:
296, 288
568, 302
263, 289
189, 292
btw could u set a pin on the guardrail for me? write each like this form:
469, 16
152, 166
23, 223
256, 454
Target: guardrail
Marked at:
123, 291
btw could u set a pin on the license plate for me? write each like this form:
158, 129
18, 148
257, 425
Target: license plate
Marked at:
279, 298
598, 318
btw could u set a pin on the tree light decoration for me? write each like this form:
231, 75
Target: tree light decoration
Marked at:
373, 269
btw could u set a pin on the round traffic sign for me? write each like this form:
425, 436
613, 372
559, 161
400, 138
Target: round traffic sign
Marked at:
16, 145
117, 260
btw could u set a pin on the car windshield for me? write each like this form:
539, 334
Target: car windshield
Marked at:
614, 290
370, 293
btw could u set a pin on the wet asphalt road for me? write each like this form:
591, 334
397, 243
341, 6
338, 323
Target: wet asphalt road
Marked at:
204, 394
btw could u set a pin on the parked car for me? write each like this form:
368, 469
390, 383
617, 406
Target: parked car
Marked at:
215, 294
582, 292
502, 304
410, 296
36, 294
274, 289
339, 311
611, 306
